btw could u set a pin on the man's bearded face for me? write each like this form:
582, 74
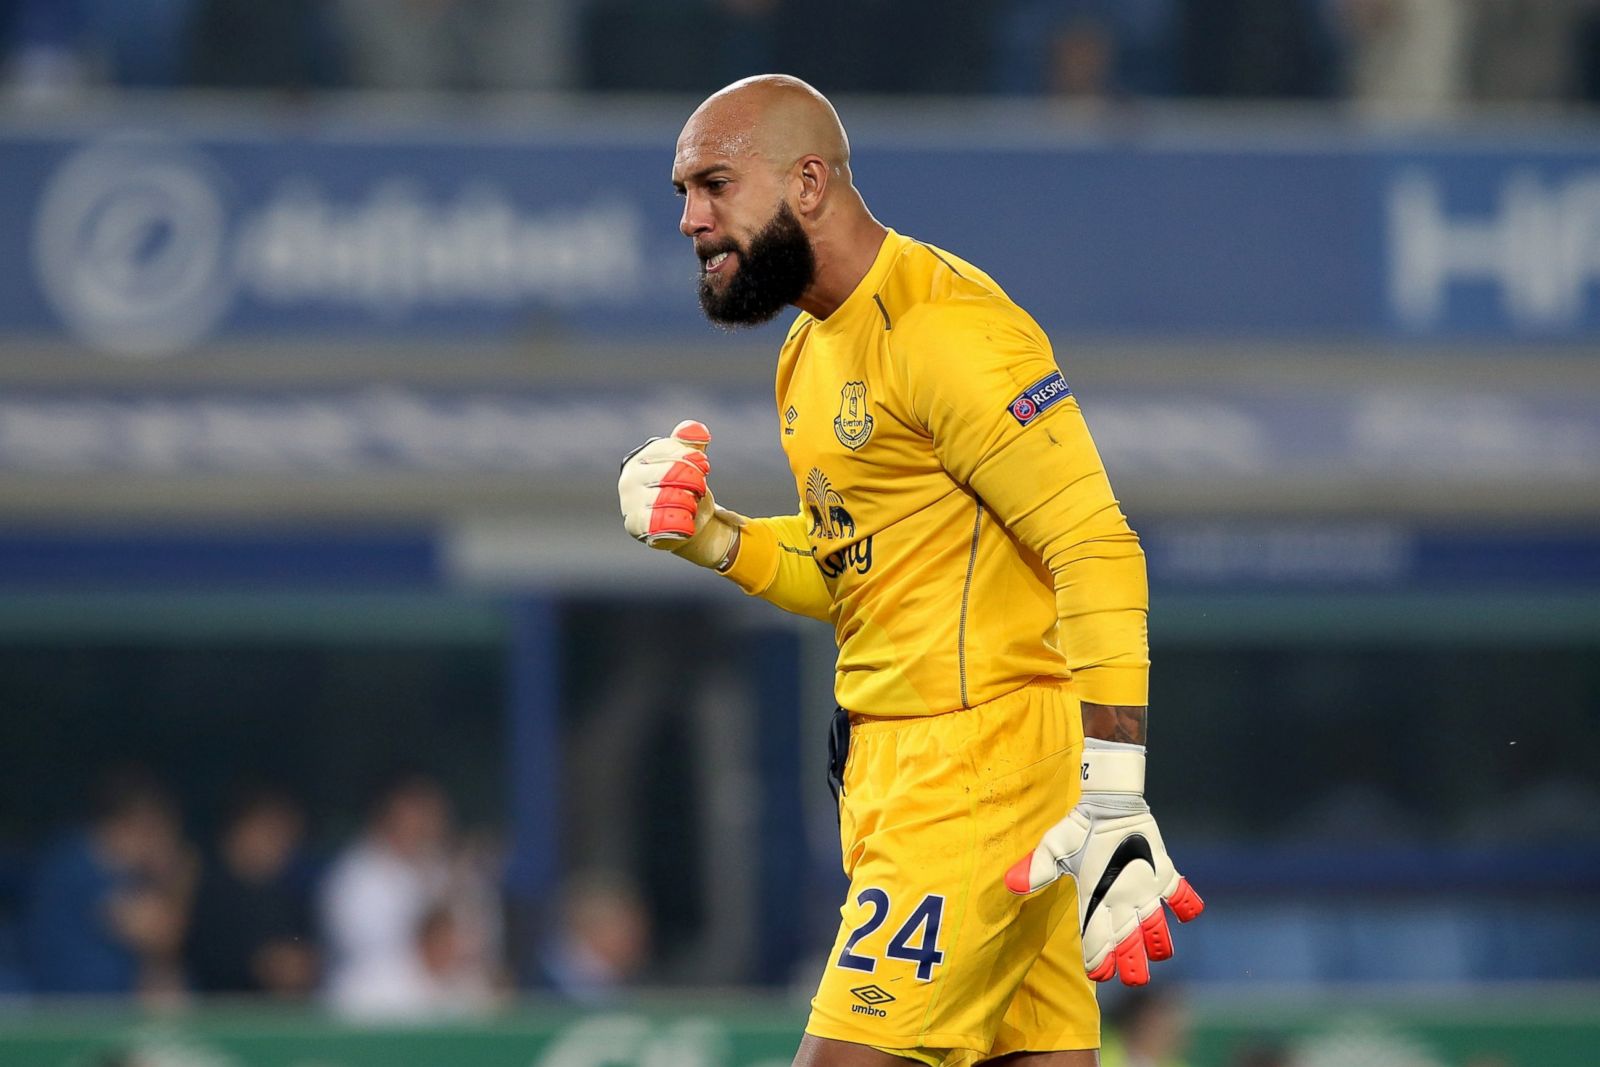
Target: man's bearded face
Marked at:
766, 276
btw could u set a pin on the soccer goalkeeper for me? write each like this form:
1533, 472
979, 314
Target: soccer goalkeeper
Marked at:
958, 530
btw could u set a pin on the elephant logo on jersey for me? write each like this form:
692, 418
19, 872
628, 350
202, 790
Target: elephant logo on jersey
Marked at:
831, 521
854, 425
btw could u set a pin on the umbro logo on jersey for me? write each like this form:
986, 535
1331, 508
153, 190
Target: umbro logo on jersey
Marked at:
1039, 397
788, 420
870, 996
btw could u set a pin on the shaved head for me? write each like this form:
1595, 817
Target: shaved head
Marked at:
772, 117
763, 166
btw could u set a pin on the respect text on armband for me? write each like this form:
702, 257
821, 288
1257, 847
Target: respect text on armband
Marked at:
1039, 397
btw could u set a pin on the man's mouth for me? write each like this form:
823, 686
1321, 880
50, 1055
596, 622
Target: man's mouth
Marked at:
717, 262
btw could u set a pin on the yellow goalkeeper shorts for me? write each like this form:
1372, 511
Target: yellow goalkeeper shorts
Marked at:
936, 959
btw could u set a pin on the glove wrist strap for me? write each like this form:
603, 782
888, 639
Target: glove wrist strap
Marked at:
726, 562
1112, 767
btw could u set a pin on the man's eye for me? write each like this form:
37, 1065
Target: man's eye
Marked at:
716, 184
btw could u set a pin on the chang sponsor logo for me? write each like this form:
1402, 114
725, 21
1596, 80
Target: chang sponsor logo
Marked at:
142, 248
831, 521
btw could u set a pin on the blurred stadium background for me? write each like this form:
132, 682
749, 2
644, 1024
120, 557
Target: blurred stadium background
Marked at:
339, 725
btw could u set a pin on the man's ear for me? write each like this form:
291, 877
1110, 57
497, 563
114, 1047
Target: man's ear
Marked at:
811, 176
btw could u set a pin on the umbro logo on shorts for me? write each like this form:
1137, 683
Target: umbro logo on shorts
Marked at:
870, 996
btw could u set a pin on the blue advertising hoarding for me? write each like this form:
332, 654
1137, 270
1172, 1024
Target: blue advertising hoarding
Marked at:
1219, 440
159, 238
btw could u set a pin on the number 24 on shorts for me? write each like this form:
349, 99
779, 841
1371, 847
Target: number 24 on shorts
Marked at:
923, 925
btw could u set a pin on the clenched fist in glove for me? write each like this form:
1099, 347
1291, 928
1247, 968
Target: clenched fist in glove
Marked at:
1110, 844
666, 502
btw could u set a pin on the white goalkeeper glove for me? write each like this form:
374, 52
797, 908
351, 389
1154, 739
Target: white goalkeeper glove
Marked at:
666, 502
1110, 844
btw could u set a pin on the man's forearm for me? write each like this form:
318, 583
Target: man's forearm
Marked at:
1115, 722
771, 558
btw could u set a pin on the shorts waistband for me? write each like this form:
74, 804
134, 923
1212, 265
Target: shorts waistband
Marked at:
873, 724
879, 723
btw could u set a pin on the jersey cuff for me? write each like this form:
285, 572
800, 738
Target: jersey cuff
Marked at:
1114, 685
757, 563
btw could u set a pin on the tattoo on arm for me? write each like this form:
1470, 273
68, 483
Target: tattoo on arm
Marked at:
1116, 722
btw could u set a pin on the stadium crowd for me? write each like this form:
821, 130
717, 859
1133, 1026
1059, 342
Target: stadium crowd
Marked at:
1419, 55
403, 921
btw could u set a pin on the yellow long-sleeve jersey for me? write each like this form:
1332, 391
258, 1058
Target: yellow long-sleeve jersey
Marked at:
957, 526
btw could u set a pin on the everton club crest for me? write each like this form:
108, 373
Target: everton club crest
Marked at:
854, 425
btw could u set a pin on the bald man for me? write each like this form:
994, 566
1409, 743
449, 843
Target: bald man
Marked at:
958, 530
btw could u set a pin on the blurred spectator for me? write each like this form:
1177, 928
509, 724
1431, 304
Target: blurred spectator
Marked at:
1254, 48
14, 875
1146, 1027
451, 45
251, 931
62, 45
381, 886
1412, 55
1407, 56
45, 55
692, 46
1588, 45
1531, 50
477, 908
688, 46
748, 35
378, 898
138, 43
109, 902
940, 47
652, 45
246, 44
440, 978
415, 44
1087, 48
601, 943
531, 45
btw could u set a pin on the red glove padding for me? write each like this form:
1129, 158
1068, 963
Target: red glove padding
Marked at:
662, 484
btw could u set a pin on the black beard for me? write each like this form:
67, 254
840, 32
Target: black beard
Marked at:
772, 273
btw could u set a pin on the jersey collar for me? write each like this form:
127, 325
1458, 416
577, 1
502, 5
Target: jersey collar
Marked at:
860, 299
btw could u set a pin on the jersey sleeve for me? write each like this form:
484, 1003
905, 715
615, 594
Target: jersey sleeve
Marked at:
983, 382
775, 563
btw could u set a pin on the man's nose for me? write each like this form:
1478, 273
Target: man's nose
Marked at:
696, 218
